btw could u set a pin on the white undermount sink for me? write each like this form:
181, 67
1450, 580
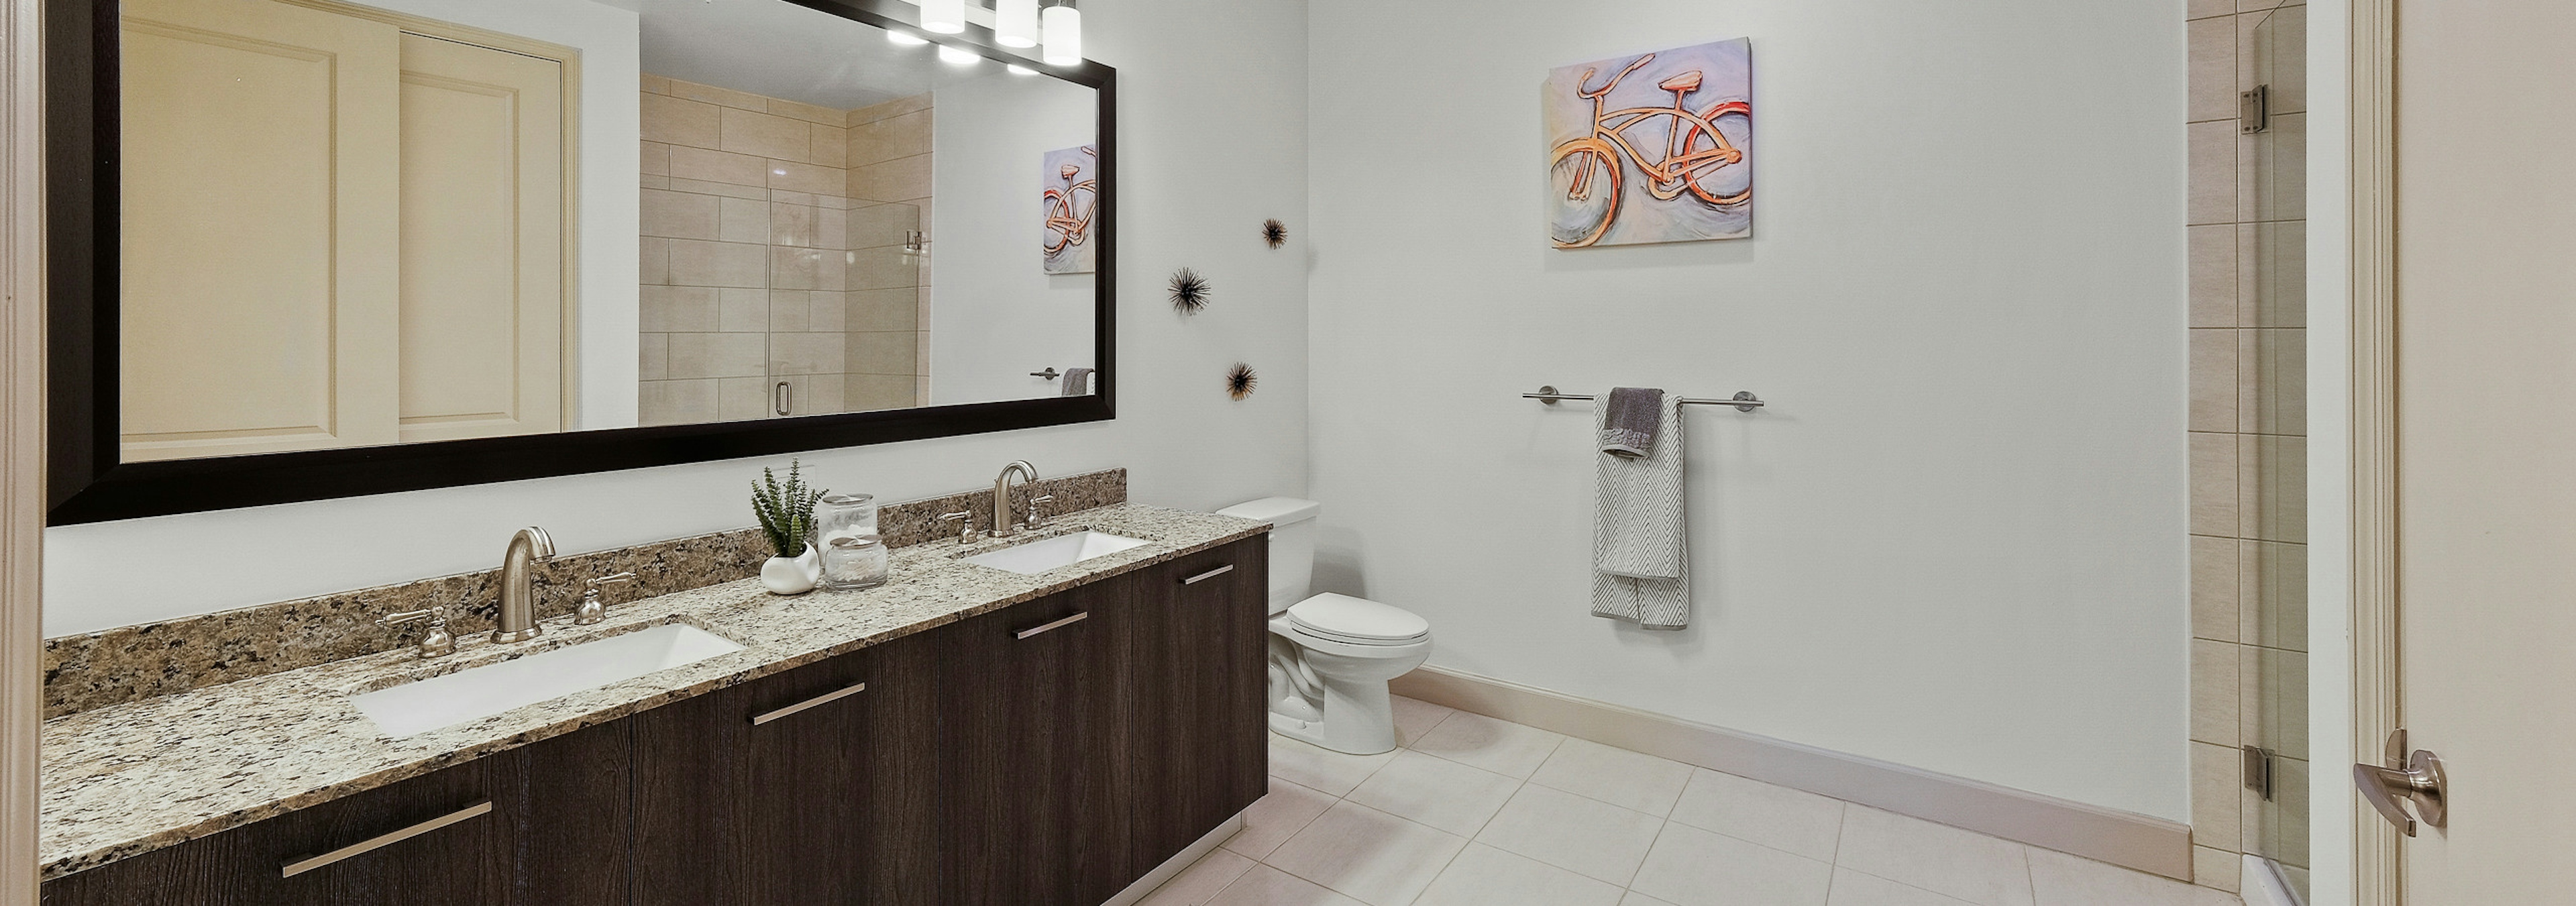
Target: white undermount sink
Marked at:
1060, 551
480, 692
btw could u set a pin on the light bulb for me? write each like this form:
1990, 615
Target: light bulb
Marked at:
1063, 28
955, 56
1017, 69
906, 38
945, 17
1015, 23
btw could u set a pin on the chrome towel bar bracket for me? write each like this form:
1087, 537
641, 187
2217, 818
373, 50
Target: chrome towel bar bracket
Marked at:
1743, 401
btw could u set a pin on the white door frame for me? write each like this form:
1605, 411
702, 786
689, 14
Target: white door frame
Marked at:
2369, 250
22, 441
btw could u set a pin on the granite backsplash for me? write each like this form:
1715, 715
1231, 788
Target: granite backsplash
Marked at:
127, 663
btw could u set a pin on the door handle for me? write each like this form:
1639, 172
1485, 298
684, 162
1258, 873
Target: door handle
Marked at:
782, 397
2407, 777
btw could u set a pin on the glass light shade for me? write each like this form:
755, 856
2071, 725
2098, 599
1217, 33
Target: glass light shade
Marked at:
1015, 23
906, 38
1063, 29
954, 56
1017, 69
945, 17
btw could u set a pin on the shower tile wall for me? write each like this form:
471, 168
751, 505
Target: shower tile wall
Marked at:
2248, 436
889, 160
751, 243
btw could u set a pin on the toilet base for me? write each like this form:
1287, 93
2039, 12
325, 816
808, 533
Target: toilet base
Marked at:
1359, 719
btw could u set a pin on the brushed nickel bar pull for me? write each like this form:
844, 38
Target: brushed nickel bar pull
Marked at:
1078, 616
1743, 400
815, 702
309, 863
1210, 574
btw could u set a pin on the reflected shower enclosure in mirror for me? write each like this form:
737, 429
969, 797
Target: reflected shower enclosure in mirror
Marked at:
317, 248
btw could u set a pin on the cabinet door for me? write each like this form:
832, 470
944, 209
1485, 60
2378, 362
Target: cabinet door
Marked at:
811, 786
542, 825
1018, 745
1191, 743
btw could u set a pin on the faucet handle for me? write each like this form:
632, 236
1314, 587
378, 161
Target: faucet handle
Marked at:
592, 609
435, 643
966, 523
1036, 519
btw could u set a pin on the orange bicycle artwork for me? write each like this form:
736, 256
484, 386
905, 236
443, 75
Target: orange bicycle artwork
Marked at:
1071, 200
1681, 120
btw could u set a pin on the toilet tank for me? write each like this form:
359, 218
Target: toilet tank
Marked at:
1292, 544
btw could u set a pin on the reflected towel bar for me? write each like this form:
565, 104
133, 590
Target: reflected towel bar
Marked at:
1744, 400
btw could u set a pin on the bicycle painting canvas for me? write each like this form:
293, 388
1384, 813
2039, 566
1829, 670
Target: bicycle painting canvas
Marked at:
1651, 148
1071, 200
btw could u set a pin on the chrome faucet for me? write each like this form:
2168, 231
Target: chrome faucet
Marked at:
1000, 526
517, 621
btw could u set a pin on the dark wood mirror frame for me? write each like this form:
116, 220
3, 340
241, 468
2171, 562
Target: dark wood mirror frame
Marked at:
87, 483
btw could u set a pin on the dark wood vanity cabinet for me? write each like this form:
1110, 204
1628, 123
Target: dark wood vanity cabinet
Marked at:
1051, 752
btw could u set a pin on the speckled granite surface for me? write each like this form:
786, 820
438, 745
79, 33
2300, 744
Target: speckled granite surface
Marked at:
131, 663
131, 778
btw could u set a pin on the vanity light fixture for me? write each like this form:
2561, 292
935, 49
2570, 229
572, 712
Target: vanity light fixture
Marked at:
1017, 69
946, 17
1015, 23
957, 56
905, 38
1061, 24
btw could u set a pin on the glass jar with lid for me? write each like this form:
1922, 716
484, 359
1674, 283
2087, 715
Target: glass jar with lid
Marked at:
839, 516
853, 562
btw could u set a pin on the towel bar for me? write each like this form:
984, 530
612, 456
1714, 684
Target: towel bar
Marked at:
1744, 400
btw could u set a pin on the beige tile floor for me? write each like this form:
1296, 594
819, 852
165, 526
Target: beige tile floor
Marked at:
1473, 811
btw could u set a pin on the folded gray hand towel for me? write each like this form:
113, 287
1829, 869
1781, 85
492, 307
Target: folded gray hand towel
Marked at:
1077, 382
1631, 415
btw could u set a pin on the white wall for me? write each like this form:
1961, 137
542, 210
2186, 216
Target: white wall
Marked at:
608, 318
2331, 830
1207, 99
995, 315
1957, 542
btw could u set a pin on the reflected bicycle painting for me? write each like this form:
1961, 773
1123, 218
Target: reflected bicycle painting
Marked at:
1071, 199
1651, 148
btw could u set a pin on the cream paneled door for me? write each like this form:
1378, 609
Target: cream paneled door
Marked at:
2486, 442
482, 242
259, 161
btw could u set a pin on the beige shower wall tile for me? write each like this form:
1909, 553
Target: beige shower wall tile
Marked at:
2273, 474
654, 159
723, 96
678, 215
652, 357
807, 353
872, 392
2217, 869
654, 261
695, 263
792, 311
818, 394
2215, 468
2217, 772
899, 179
719, 167
2272, 281
888, 139
743, 398
807, 112
2212, 72
2196, 9
882, 352
676, 308
678, 121
882, 268
2214, 692
2272, 381
882, 309
763, 135
703, 187
653, 84
827, 310
2214, 381
831, 144
2214, 278
794, 176
2274, 700
742, 310
2272, 52
709, 355
2273, 584
881, 225
677, 402
799, 268
743, 220
2212, 158
2272, 177
896, 107
2217, 572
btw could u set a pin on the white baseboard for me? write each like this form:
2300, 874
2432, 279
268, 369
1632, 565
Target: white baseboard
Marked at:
2145, 843
1177, 863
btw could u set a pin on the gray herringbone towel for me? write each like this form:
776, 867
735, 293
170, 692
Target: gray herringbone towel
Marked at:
1077, 382
1640, 557
1630, 416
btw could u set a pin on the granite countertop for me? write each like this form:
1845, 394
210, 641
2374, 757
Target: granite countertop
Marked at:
124, 780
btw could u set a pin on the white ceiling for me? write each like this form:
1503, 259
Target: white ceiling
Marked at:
783, 50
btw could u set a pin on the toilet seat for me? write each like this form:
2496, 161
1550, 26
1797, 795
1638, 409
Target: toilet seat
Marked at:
1357, 621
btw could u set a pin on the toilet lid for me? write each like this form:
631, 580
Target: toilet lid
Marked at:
1357, 620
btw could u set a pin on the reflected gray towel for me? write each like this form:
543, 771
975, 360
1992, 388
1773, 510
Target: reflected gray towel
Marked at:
1629, 419
1640, 555
1077, 382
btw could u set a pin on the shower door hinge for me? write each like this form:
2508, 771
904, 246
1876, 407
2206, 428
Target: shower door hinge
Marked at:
2258, 771
2254, 109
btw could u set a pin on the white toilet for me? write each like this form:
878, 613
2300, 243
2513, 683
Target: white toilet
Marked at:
1330, 655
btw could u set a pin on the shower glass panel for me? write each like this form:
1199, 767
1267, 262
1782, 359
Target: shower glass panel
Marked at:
2272, 235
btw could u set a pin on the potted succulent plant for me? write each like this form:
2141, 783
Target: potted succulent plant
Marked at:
786, 513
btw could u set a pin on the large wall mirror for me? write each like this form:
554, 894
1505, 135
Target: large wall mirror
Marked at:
318, 248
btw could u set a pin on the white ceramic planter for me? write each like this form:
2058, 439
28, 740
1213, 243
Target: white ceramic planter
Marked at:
792, 575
